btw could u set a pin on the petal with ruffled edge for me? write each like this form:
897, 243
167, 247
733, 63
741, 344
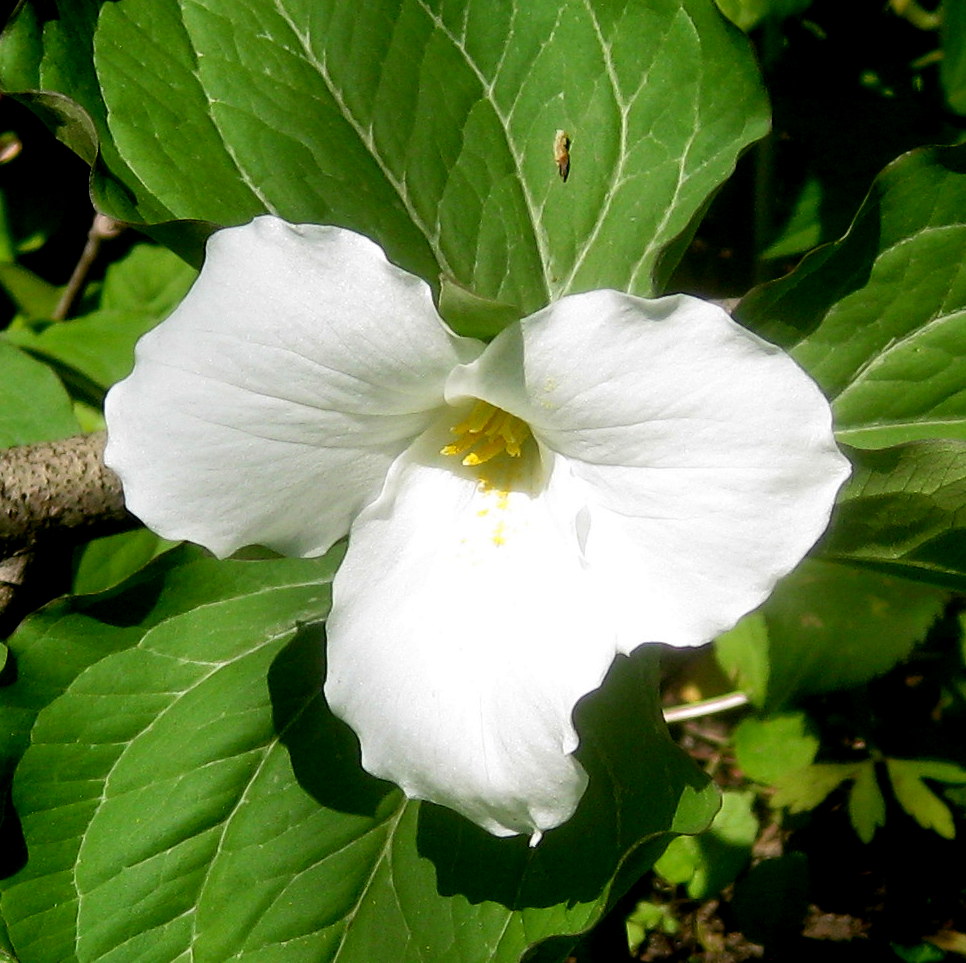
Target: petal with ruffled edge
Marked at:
268, 408
463, 632
705, 455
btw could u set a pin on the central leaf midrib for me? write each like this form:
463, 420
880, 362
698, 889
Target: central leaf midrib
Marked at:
487, 89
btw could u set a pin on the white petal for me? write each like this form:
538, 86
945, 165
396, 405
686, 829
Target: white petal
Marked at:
268, 408
704, 455
462, 634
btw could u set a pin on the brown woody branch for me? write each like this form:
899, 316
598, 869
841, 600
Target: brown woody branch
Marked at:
53, 496
58, 489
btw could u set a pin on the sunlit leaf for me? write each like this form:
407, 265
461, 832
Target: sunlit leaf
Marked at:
765, 748
106, 561
903, 512
747, 14
708, 863
742, 653
148, 279
917, 799
33, 296
826, 627
139, 290
867, 809
186, 790
879, 318
34, 406
802, 789
646, 917
427, 125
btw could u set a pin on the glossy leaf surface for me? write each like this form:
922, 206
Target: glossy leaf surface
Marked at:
187, 791
429, 126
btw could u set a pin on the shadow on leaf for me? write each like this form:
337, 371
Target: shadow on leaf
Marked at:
642, 788
323, 750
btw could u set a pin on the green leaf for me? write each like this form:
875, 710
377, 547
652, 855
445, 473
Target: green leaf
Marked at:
941, 771
259, 836
34, 406
104, 562
99, 346
33, 296
804, 228
742, 654
138, 292
471, 316
903, 512
879, 317
766, 748
149, 279
829, 627
952, 67
747, 14
803, 789
917, 799
867, 808
62, 641
428, 126
920, 953
68, 122
6, 947
22, 49
706, 864
646, 917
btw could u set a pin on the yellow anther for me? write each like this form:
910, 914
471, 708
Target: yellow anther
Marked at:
458, 447
477, 420
487, 431
485, 451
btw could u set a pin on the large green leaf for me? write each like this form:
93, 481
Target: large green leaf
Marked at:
60, 642
826, 627
187, 793
904, 512
879, 318
426, 124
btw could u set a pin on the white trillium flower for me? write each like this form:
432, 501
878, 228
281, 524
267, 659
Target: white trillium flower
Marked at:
607, 472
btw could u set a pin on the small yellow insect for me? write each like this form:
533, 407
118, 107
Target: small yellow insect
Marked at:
561, 154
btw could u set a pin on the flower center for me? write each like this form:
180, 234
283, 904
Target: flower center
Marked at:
487, 431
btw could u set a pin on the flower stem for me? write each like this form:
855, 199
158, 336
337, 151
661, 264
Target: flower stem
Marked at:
706, 707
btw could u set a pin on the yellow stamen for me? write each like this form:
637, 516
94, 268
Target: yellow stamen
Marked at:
486, 432
485, 451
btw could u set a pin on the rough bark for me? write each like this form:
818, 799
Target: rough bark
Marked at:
52, 496
59, 489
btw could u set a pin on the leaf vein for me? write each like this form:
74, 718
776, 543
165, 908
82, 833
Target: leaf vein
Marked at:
365, 135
